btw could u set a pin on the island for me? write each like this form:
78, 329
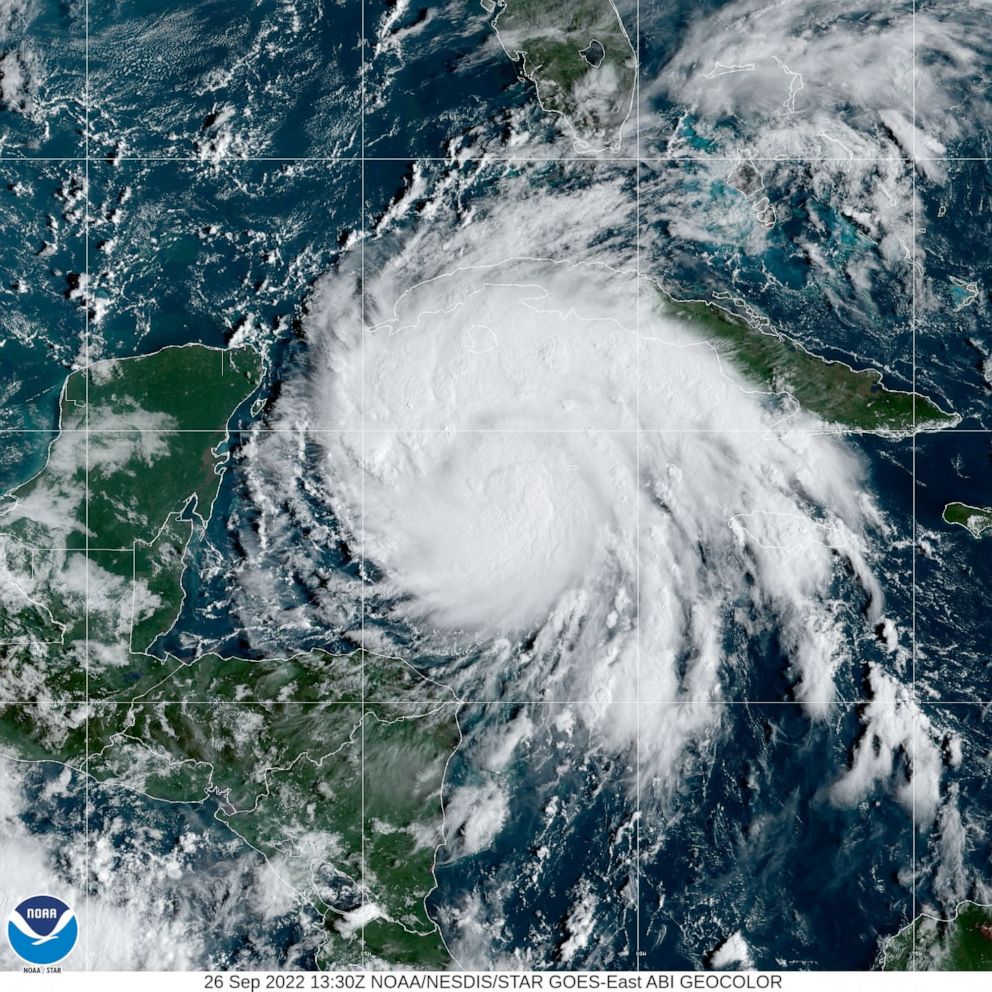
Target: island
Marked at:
840, 395
977, 520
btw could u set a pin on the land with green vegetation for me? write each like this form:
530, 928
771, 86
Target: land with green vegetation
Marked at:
330, 766
835, 392
579, 58
977, 520
963, 943
129, 481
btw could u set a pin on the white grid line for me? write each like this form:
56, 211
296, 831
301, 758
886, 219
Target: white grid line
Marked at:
491, 160
361, 547
86, 399
70, 702
771, 431
913, 316
637, 499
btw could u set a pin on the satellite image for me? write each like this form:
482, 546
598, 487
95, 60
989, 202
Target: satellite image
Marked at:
496, 485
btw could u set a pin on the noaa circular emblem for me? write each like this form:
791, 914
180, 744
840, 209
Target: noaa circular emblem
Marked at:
42, 930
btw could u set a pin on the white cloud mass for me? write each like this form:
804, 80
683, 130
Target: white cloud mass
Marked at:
560, 480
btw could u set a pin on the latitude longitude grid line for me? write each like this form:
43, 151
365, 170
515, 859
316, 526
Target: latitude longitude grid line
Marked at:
637, 500
70, 700
495, 160
773, 430
86, 373
913, 316
469, 701
361, 546
361, 550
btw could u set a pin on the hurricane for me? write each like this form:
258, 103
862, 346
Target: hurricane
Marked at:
568, 500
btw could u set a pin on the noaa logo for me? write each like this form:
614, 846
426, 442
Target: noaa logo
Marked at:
42, 930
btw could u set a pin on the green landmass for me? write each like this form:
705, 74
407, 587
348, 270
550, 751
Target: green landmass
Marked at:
591, 85
129, 482
291, 752
963, 943
977, 520
851, 398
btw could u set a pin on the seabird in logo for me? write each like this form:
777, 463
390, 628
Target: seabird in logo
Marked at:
42, 930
